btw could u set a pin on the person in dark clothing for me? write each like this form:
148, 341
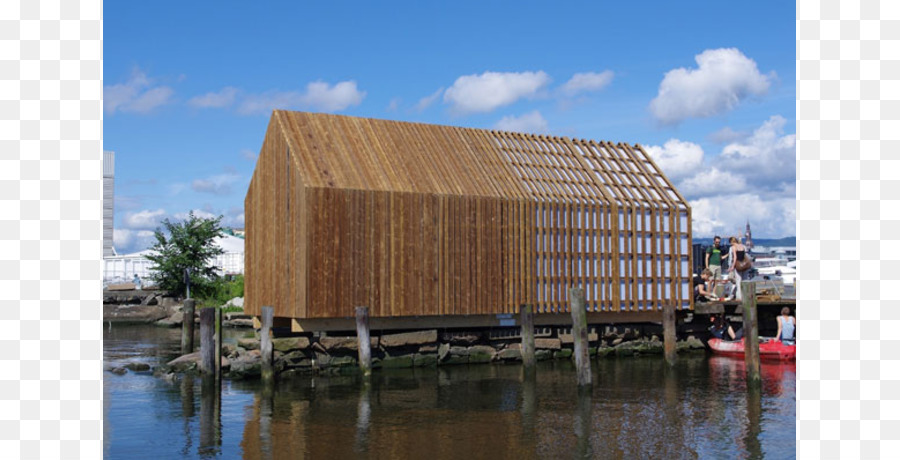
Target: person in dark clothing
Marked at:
701, 292
721, 329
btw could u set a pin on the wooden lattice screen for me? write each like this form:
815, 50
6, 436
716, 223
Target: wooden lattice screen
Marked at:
420, 220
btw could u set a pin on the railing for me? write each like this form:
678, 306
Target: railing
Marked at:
123, 268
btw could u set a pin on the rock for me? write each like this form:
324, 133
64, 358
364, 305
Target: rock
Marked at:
238, 322
396, 362
433, 348
459, 351
284, 344
547, 344
616, 342
567, 338
133, 313
343, 361
603, 352
443, 351
694, 343
345, 344
119, 370
461, 338
481, 354
510, 354
564, 353
148, 299
297, 358
409, 338
185, 363
251, 344
138, 367
542, 355
173, 321
235, 302
455, 359
168, 302
248, 365
425, 359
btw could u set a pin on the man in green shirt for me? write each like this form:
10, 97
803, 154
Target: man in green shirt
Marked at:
714, 261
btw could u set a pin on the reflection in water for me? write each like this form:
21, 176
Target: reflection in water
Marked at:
639, 408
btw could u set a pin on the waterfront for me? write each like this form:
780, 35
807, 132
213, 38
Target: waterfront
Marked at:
637, 407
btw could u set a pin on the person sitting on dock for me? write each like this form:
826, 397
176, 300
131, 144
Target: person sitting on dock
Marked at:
701, 292
721, 329
787, 325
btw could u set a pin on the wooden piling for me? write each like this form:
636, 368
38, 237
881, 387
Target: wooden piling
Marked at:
364, 345
669, 332
527, 315
187, 326
218, 344
265, 345
580, 336
751, 331
207, 341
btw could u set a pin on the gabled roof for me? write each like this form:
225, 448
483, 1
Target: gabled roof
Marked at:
369, 154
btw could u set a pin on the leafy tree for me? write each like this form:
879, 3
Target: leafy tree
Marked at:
189, 246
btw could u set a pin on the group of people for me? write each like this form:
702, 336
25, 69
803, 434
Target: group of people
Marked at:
739, 266
787, 327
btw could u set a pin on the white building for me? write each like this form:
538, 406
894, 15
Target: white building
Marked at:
122, 268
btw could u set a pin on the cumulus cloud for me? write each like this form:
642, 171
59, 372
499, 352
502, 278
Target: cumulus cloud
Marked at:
127, 241
727, 215
768, 156
723, 78
137, 95
318, 95
221, 99
219, 184
676, 158
491, 90
711, 182
587, 82
144, 220
531, 122
726, 135
197, 213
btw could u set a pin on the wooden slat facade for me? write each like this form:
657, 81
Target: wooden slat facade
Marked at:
425, 220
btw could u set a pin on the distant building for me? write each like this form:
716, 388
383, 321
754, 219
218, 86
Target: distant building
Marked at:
748, 237
108, 193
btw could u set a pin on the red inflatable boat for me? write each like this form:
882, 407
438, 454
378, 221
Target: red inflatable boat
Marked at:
768, 349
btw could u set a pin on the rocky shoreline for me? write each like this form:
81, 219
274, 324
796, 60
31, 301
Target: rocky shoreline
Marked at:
302, 355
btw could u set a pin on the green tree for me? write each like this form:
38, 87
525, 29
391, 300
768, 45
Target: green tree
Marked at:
189, 245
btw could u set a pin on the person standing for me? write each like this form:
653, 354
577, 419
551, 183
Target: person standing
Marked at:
739, 265
714, 261
137, 282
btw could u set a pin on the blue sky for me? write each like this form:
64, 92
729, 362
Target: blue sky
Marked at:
708, 90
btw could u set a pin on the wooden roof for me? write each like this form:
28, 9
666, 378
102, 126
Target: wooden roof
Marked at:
336, 151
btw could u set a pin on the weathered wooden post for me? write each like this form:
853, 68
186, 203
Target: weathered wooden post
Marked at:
218, 343
364, 343
207, 341
669, 338
580, 335
265, 345
527, 314
187, 326
751, 331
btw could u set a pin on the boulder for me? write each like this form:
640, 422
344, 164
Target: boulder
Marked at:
173, 321
119, 370
251, 343
547, 344
133, 313
461, 338
481, 354
345, 344
248, 365
510, 354
238, 322
396, 362
542, 355
283, 344
235, 302
425, 359
443, 351
564, 353
138, 367
409, 338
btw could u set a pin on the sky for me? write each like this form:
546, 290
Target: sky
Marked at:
707, 89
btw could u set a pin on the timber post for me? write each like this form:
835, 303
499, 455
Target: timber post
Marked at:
364, 343
669, 332
751, 331
207, 341
580, 336
527, 316
218, 343
265, 345
187, 326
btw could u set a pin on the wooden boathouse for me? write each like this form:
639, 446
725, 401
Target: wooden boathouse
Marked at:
441, 226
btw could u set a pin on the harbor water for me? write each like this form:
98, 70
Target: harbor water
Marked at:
636, 408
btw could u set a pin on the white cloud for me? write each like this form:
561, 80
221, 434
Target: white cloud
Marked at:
137, 95
127, 241
248, 154
318, 95
726, 135
711, 182
219, 184
531, 122
490, 90
144, 220
197, 213
728, 215
393, 105
767, 156
426, 101
676, 158
724, 77
223, 98
587, 82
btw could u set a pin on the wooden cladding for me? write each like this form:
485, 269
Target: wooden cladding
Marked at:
420, 220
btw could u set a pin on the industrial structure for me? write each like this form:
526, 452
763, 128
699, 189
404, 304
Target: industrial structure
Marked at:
436, 222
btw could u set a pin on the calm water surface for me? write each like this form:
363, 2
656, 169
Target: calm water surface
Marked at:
637, 408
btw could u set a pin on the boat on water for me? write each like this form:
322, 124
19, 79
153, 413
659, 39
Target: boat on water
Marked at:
776, 267
768, 349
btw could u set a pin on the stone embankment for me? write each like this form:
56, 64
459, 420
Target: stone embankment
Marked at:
144, 307
311, 354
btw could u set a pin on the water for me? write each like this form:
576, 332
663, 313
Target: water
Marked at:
637, 408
